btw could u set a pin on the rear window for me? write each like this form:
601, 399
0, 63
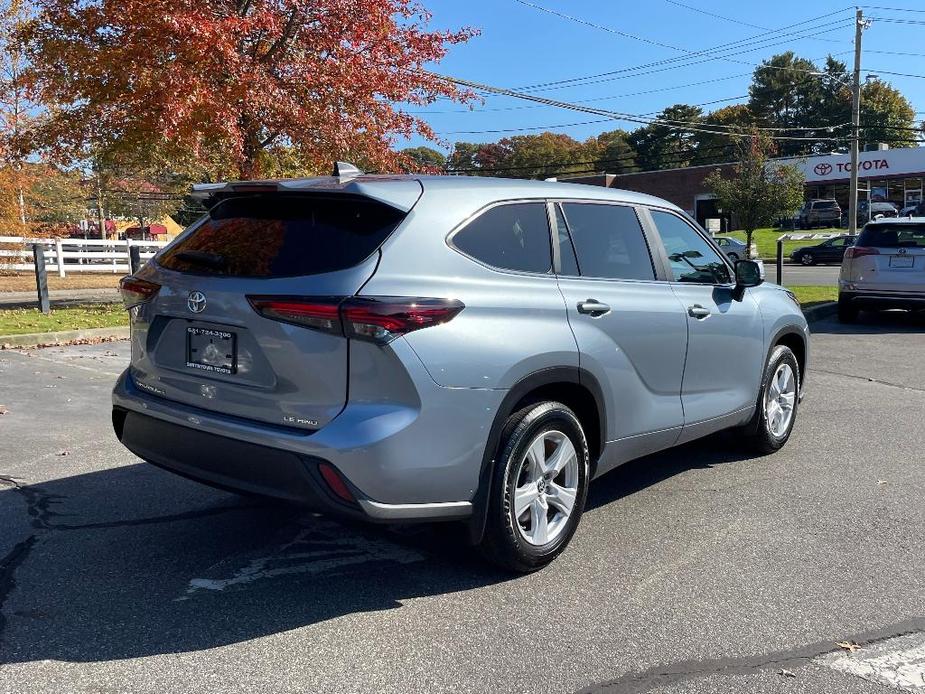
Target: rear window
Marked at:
893, 236
825, 204
283, 236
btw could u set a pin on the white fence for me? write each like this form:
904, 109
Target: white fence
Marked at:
76, 255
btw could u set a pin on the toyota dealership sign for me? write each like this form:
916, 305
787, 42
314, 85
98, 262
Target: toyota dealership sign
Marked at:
876, 164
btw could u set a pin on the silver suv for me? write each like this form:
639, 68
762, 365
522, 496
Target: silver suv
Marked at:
884, 269
406, 348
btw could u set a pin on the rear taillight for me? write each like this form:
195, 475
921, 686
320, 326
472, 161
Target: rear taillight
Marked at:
136, 291
858, 251
378, 319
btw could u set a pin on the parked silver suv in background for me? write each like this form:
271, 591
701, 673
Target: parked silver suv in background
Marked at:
884, 269
399, 348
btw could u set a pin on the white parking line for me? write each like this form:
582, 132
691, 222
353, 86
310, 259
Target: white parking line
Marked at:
897, 662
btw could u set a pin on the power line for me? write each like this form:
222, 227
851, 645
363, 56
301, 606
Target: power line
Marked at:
577, 101
893, 20
611, 114
615, 74
897, 74
756, 39
733, 20
716, 16
891, 9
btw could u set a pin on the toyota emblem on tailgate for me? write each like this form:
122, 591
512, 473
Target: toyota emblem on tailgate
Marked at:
196, 301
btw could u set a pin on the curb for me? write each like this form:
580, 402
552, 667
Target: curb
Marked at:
821, 312
63, 337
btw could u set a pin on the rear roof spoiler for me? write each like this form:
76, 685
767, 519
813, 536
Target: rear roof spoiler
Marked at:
400, 192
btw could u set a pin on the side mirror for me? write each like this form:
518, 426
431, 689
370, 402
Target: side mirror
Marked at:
749, 273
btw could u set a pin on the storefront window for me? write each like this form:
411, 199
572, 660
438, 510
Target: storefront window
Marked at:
913, 191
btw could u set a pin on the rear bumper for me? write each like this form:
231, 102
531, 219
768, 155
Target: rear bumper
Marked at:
874, 300
400, 464
241, 466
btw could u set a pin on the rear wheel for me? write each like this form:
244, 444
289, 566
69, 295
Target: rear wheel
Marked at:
539, 487
777, 404
733, 256
847, 311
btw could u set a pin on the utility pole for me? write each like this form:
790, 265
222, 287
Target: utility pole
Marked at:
855, 126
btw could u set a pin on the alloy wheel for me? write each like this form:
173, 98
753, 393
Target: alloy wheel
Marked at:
546, 488
780, 400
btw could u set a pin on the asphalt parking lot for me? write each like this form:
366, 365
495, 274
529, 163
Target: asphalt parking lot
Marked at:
696, 570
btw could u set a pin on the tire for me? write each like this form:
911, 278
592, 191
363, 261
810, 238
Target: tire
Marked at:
766, 433
733, 256
847, 312
507, 541
808, 259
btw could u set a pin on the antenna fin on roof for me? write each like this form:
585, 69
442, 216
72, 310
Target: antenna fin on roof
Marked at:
344, 169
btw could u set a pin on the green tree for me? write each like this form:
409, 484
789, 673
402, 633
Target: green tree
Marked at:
757, 191
718, 147
887, 116
424, 159
785, 93
613, 152
669, 142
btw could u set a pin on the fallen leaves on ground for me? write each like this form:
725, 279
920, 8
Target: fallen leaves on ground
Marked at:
849, 646
3, 410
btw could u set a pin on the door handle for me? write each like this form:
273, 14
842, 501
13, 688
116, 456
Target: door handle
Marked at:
697, 311
593, 308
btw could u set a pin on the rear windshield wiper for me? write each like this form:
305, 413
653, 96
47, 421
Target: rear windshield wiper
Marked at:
204, 258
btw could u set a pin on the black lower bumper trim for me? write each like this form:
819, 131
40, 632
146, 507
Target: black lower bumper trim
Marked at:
883, 301
226, 463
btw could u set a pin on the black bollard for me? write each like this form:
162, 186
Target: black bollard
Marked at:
780, 262
134, 255
41, 277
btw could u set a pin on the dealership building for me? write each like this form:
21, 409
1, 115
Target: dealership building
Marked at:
893, 175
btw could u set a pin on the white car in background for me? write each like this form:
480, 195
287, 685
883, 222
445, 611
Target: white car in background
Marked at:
884, 269
733, 248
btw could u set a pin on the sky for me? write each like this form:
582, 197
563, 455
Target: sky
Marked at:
521, 45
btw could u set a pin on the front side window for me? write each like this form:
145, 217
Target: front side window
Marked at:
692, 259
609, 241
511, 237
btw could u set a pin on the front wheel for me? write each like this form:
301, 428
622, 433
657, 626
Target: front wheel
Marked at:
778, 402
539, 487
808, 259
733, 257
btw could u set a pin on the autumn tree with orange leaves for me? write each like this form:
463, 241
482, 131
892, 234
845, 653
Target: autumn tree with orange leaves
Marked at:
224, 83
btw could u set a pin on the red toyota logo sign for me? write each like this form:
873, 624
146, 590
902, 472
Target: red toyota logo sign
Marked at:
822, 169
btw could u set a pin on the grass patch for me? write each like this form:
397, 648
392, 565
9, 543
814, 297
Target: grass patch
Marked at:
19, 321
766, 240
25, 281
809, 296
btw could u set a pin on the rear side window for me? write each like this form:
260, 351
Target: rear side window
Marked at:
283, 236
511, 237
893, 236
609, 241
